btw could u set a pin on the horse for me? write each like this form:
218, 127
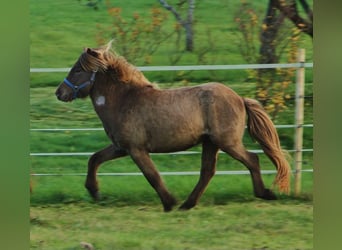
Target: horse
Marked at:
139, 119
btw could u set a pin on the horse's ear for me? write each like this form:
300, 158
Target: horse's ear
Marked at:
91, 52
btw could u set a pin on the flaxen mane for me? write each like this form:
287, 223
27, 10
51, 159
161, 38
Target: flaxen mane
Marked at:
105, 59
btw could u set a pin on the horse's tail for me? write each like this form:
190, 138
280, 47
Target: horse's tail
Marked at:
261, 128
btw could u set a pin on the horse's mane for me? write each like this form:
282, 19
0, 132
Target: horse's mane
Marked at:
105, 59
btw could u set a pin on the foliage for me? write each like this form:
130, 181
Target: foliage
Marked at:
289, 8
272, 84
138, 37
135, 39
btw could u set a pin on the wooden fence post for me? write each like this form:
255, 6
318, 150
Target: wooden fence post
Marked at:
299, 116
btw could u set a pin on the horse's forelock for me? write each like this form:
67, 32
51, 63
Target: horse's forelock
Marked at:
92, 63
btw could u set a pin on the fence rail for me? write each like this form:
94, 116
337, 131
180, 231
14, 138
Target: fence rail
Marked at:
101, 129
173, 153
195, 67
229, 172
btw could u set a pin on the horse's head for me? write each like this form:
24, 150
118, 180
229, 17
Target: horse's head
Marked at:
81, 77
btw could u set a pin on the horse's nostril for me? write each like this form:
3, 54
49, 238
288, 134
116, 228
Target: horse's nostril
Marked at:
59, 95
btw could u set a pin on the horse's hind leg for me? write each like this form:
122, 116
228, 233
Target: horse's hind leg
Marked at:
251, 161
94, 162
209, 157
144, 162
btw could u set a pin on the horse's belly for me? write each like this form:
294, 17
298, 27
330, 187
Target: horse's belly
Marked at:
171, 147
172, 141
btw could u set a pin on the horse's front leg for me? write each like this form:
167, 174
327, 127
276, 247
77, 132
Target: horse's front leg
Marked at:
144, 162
94, 162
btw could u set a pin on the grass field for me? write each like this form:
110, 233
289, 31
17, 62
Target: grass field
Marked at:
241, 224
129, 214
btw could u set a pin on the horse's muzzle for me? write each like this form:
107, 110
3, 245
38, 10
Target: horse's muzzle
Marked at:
63, 95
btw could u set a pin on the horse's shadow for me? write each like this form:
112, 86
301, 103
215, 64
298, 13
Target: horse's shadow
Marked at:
151, 200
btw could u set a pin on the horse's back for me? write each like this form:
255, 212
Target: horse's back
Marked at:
224, 108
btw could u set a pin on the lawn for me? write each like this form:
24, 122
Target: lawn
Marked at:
130, 215
241, 224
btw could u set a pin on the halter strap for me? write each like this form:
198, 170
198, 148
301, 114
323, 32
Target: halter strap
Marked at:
77, 88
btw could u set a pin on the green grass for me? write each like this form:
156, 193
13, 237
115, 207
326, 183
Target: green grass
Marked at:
241, 224
135, 190
129, 215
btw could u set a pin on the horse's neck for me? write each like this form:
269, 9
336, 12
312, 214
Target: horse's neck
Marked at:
108, 88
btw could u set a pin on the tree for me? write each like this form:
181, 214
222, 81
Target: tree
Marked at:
271, 35
277, 11
186, 23
278, 39
290, 10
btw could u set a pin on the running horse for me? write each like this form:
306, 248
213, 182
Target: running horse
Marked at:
139, 118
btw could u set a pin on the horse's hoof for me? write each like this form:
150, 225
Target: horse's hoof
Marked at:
167, 209
185, 207
170, 204
95, 195
269, 195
